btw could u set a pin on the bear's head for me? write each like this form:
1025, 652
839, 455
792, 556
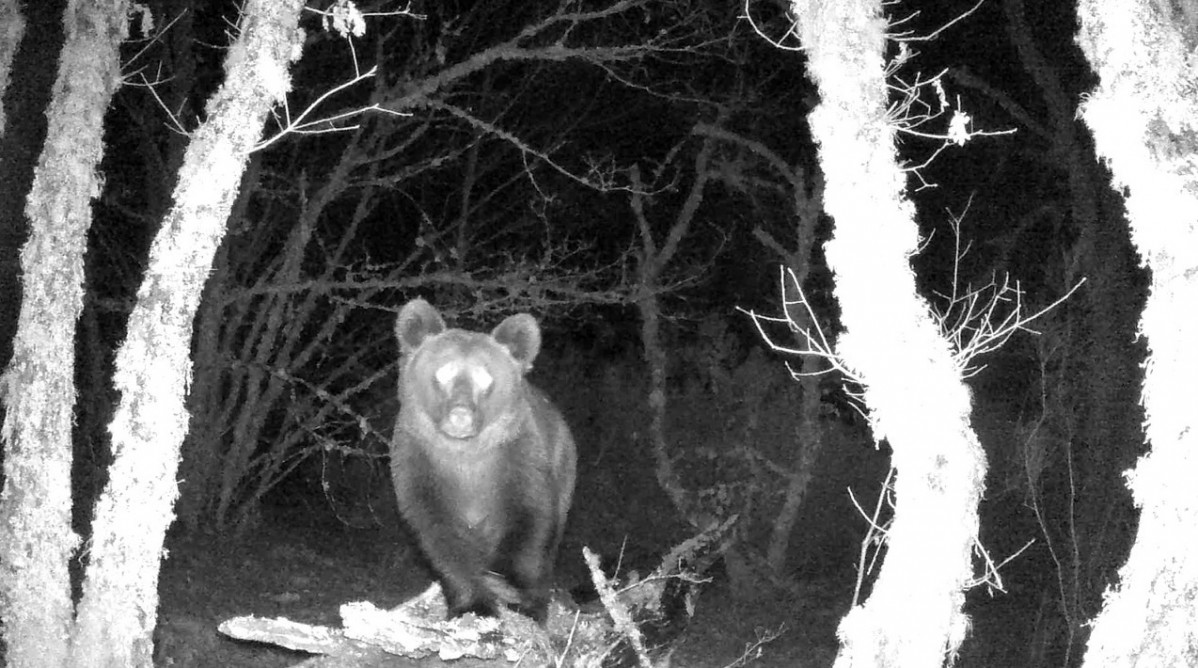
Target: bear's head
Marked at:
463, 381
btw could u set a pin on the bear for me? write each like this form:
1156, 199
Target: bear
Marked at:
482, 462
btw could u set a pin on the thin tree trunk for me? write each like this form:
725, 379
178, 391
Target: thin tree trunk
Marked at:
1143, 115
38, 387
915, 394
655, 257
120, 594
809, 434
806, 197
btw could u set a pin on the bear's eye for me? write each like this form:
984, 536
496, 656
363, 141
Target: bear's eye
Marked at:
482, 379
445, 375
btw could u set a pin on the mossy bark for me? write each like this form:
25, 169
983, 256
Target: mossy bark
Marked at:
1143, 115
38, 386
912, 388
118, 611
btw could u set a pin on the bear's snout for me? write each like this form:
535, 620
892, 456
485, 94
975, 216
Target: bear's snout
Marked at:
459, 423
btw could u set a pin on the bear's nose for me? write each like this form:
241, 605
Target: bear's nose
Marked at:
459, 423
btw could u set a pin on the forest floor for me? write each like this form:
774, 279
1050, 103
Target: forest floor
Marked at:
306, 574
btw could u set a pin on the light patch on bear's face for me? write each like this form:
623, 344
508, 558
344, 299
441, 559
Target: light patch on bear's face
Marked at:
480, 379
462, 385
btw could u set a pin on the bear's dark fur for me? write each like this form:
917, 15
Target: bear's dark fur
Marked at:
483, 463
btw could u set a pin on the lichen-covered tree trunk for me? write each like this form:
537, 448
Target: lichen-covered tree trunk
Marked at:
914, 393
1144, 116
38, 387
118, 610
26, 100
12, 29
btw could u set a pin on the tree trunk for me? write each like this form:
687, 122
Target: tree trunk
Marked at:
654, 258
12, 29
915, 394
38, 387
25, 102
805, 196
1143, 117
1096, 391
809, 435
120, 594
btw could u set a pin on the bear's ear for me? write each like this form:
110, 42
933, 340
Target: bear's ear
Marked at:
521, 335
417, 321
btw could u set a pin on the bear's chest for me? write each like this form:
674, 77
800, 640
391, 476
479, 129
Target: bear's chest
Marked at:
473, 487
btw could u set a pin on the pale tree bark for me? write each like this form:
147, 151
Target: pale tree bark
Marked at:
1144, 116
26, 99
38, 387
118, 610
912, 387
12, 29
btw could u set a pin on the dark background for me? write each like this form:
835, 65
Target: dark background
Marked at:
506, 189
